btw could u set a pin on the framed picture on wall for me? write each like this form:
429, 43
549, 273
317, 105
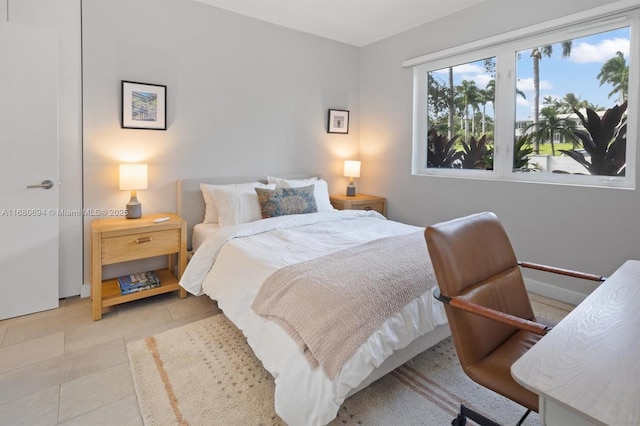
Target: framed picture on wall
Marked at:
338, 121
144, 106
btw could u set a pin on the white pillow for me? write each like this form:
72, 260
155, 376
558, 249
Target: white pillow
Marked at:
320, 189
238, 205
211, 211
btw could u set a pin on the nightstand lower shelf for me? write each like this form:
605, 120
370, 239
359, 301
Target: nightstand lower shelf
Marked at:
111, 294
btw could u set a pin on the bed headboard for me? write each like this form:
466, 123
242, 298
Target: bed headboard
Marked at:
190, 204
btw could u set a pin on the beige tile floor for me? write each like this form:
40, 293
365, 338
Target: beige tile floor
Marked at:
61, 367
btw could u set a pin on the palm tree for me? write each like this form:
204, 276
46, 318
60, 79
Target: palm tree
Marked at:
475, 110
616, 72
537, 54
550, 125
487, 95
469, 92
483, 99
571, 102
550, 100
451, 103
438, 102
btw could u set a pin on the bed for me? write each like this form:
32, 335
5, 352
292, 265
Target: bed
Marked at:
231, 263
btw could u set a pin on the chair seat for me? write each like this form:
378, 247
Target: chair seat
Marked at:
494, 371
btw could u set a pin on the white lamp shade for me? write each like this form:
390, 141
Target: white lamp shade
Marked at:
352, 168
133, 176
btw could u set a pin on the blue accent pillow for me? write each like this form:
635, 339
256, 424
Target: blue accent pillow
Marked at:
285, 201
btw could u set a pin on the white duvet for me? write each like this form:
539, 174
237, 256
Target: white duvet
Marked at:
231, 265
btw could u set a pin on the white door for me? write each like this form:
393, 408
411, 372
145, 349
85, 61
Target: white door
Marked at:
28, 157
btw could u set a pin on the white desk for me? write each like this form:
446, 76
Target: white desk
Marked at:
587, 369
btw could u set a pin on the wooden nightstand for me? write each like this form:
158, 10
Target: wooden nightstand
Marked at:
119, 240
360, 202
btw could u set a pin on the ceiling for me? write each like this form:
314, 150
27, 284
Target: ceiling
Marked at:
355, 22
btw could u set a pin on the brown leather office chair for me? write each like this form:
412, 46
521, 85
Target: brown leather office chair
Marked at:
487, 306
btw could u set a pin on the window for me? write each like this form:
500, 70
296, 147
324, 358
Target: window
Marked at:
460, 105
552, 105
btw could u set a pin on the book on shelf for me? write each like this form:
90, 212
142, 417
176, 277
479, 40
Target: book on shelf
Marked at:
138, 282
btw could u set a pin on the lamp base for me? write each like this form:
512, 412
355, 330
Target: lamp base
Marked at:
134, 211
351, 191
134, 208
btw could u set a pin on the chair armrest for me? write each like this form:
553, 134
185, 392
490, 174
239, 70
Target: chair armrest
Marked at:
492, 314
562, 271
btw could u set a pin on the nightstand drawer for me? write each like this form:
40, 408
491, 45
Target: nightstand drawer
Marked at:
360, 202
138, 246
379, 207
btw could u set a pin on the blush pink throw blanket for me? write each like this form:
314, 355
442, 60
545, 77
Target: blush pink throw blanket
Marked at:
331, 305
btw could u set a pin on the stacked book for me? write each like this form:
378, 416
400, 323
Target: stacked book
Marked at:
138, 282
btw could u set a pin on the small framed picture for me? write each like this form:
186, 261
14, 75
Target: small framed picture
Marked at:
338, 121
144, 106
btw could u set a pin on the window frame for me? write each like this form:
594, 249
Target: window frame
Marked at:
504, 48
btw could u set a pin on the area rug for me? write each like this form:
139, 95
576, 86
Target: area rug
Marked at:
204, 373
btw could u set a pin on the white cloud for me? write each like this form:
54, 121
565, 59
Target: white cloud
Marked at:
603, 51
469, 72
521, 102
469, 68
526, 85
473, 72
481, 80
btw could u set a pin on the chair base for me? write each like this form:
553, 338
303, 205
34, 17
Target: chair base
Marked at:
465, 413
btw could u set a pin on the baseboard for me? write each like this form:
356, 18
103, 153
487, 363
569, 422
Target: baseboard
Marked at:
553, 292
85, 290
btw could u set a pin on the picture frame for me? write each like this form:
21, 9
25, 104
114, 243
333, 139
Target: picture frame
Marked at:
338, 121
144, 106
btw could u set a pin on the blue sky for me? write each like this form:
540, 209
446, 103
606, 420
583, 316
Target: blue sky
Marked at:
576, 73
558, 76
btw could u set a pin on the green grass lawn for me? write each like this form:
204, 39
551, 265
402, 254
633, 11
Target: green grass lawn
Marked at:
545, 149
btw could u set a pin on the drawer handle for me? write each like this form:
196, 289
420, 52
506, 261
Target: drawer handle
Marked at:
143, 240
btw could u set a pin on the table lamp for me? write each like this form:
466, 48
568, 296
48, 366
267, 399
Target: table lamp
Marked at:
133, 177
351, 170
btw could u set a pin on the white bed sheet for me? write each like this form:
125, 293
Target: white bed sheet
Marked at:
233, 263
200, 233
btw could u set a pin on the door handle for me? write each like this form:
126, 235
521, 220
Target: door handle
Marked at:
45, 184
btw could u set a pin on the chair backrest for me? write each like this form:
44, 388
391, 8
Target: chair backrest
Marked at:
473, 260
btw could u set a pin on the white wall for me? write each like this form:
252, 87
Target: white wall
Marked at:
63, 17
588, 229
244, 98
247, 97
